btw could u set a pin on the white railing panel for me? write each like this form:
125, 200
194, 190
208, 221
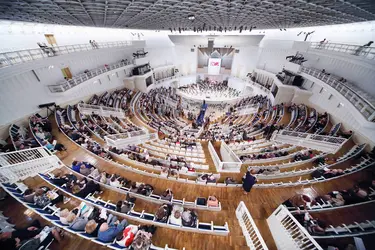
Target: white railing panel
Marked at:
20, 156
288, 233
250, 231
215, 157
88, 109
325, 143
132, 138
26, 163
360, 100
21, 56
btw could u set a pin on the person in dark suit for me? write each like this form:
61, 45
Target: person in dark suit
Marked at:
248, 182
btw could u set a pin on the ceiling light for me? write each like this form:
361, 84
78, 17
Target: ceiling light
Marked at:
191, 17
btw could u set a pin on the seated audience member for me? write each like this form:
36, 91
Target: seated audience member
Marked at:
189, 218
67, 217
90, 188
208, 178
229, 180
167, 195
42, 198
93, 225
123, 206
299, 201
142, 239
327, 173
163, 212
313, 226
64, 179
109, 230
212, 201
46, 235
8, 239
176, 214
126, 237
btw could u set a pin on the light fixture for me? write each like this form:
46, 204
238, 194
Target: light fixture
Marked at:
191, 17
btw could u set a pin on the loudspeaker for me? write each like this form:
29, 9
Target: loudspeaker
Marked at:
46, 105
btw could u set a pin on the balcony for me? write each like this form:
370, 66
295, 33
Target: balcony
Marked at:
355, 50
363, 102
328, 144
65, 85
23, 56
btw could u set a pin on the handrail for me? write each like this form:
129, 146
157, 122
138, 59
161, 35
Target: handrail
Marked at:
288, 233
22, 56
65, 85
356, 50
252, 235
366, 108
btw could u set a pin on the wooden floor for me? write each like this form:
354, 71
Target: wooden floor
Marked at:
260, 202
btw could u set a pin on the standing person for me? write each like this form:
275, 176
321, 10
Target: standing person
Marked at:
248, 181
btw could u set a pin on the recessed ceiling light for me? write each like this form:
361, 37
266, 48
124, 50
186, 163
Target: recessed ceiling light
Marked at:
191, 17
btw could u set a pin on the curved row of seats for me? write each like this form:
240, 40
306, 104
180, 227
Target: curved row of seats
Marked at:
51, 214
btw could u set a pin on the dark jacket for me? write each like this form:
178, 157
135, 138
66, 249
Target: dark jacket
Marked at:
248, 182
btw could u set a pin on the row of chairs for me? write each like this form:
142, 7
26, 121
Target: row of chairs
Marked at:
155, 198
144, 217
353, 152
51, 214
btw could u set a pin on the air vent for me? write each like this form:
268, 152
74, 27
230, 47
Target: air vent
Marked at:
237, 51
192, 50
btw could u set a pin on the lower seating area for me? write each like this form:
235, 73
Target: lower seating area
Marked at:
170, 184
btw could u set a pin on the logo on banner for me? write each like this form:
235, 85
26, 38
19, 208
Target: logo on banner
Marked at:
214, 63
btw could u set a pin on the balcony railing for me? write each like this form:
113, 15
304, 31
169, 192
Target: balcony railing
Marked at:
88, 109
325, 143
64, 85
362, 101
356, 50
22, 56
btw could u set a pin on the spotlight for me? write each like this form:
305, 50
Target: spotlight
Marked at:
281, 30
241, 29
179, 30
235, 28
174, 29
299, 33
225, 29
284, 29
195, 29
171, 29
191, 17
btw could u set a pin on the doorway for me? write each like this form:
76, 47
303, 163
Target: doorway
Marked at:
50, 39
66, 72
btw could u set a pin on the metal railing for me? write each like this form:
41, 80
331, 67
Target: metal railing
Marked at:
288, 233
65, 85
354, 96
356, 50
254, 239
22, 56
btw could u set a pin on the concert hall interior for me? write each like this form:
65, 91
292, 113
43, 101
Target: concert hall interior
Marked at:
189, 125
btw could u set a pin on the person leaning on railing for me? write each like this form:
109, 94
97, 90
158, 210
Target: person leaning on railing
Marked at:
359, 50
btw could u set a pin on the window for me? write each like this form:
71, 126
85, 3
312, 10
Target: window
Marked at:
321, 90
330, 96
312, 85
